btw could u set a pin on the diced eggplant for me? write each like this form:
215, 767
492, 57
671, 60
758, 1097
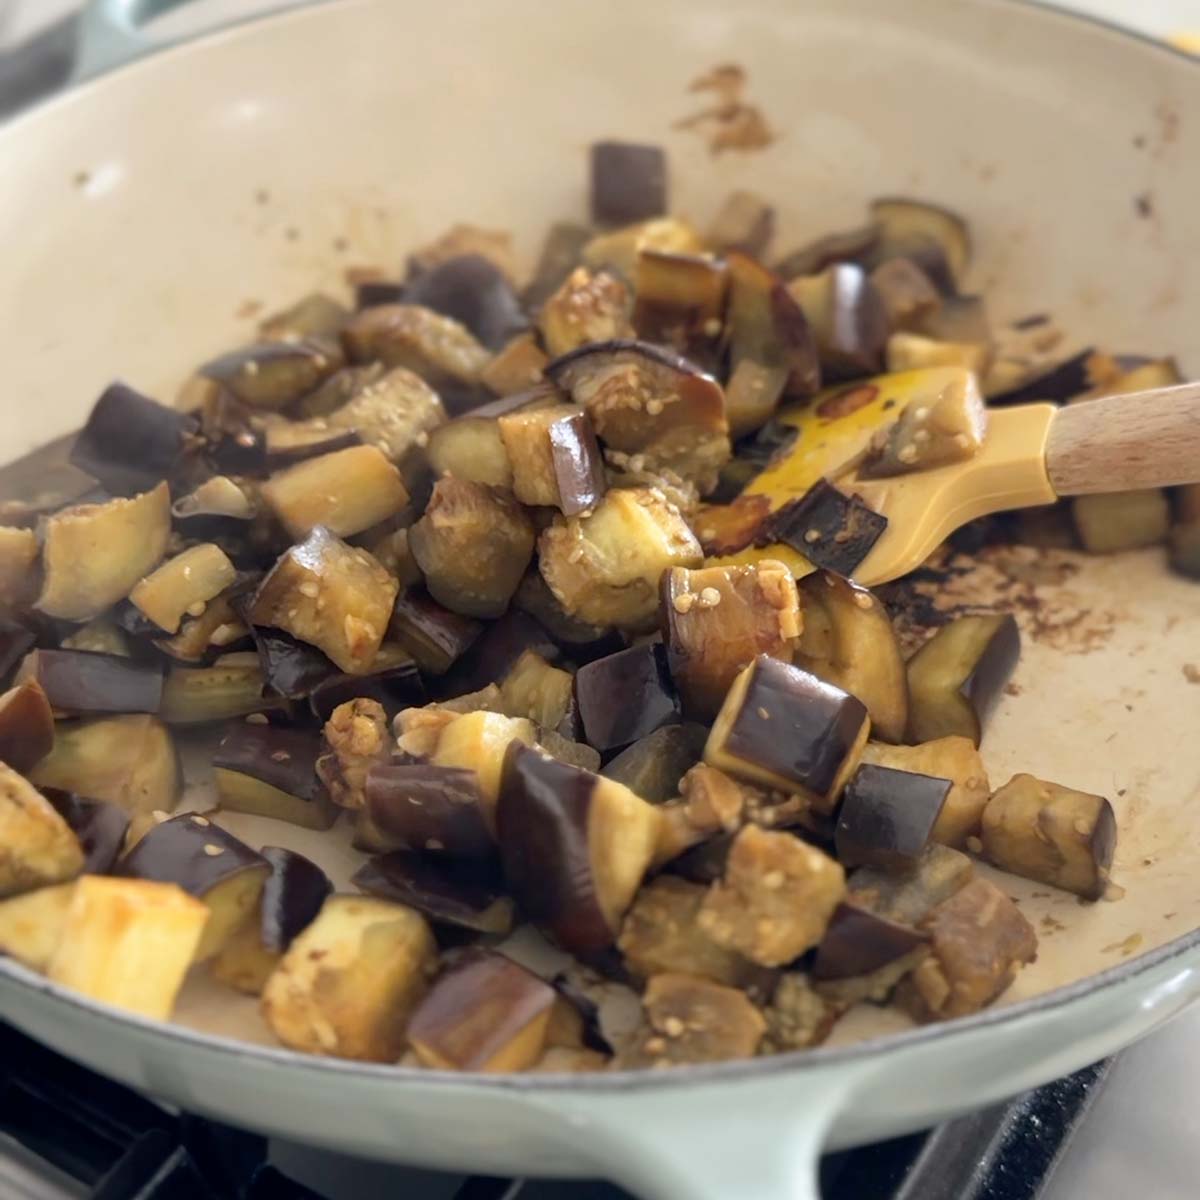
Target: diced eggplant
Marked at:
914, 352
798, 1017
904, 223
626, 696
356, 738
850, 245
586, 308
273, 374
711, 809
605, 568
235, 439
518, 366
433, 635
231, 687
16, 641
472, 545
579, 640
208, 863
569, 751
694, 1020
475, 292
460, 239
19, 549
331, 596
858, 942
494, 654
646, 402
271, 772
394, 687
653, 766
79, 682
470, 448
555, 458
395, 413
535, 689
575, 847
346, 492
979, 939
1050, 833
93, 554
419, 806
618, 250
1107, 523
292, 896
784, 728
954, 758
128, 942
957, 677
848, 640
661, 934
775, 898
560, 255
962, 320
887, 817
909, 296
347, 984
907, 898
847, 317
479, 741
445, 890
26, 725
314, 316
32, 924
680, 300
292, 442
183, 585
37, 847
100, 635
629, 182
99, 825
439, 349
244, 963
128, 760
218, 498
832, 530
131, 442
290, 669
484, 1014
744, 223
1184, 549
717, 619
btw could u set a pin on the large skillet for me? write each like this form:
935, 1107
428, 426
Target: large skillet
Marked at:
142, 212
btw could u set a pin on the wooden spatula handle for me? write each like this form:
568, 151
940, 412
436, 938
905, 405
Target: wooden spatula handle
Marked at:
1119, 443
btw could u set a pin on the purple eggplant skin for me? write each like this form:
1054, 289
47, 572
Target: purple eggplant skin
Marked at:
476, 293
629, 182
283, 758
282, 457
858, 941
291, 668
131, 442
436, 637
396, 688
587, 1008
887, 817
16, 641
447, 891
1059, 383
79, 681
578, 464
175, 851
492, 656
832, 530
373, 292
291, 898
99, 826
626, 696
429, 808
233, 442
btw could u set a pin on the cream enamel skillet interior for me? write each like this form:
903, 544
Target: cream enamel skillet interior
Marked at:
149, 211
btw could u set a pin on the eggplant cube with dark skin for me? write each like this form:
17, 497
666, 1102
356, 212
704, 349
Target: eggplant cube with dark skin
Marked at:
654, 766
626, 696
433, 635
271, 375
330, 595
472, 545
830, 528
680, 300
1051, 833
629, 182
475, 291
575, 847
438, 348
555, 458
860, 942
605, 568
81, 682
208, 863
479, 742
485, 1014
905, 223
908, 897
99, 825
847, 317
350, 980
745, 223
26, 726
775, 899
888, 816
37, 847
957, 678
784, 728
717, 619
585, 308
420, 806
908, 294
270, 771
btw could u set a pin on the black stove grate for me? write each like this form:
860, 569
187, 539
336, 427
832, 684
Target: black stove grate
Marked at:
117, 1145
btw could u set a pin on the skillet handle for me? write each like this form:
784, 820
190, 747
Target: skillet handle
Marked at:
109, 34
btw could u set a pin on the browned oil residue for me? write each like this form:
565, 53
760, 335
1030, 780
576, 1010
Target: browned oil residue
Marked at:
247, 309
1052, 925
1191, 672
730, 122
1126, 947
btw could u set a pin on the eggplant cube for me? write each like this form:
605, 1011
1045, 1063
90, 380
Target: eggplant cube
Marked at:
831, 529
393, 413
717, 619
680, 300
358, 738
859, 942
433, 635
629, 182
82, 682
775, 899
696, 1021
486, 1014
479, 741
271, 772
19, 551
31, 925
1052, 834
784, 728
887, 817
517, 367
626, 696
586, 308
99, 825
848, 319
128, 942
575, 847
183, 585
957, 678
26, 726
908, 897
654, 766
348, 983
37, 846
244, 963
555, 458
535, 689
273, 374
330, 595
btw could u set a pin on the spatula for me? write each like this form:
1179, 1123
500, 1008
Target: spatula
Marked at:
1033, 454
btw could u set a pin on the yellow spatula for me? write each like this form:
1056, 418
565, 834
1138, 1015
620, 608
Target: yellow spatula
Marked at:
1032, 454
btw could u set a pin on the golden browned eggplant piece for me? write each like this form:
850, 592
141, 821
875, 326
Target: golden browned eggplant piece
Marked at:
517, 367
479, 741
19, 551
618, 250
395, 413
315, 315
555, 458
357, 738
680, 301
586, 308
183, 585
1052, 834
37, 846
797, 1017
273, 374
957, 678
915, 352
26, 726
717, 619
32, 924
907, 897
437, 348
535, 689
